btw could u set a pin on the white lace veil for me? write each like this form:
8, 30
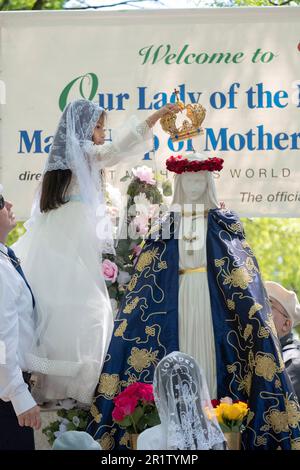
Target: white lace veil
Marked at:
72, 149
184, 406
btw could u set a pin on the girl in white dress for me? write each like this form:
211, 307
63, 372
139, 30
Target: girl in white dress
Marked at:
61, 250
184, 407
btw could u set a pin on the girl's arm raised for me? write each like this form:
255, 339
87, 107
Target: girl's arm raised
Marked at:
130, 141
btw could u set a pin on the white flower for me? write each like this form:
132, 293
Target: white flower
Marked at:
123, 278
227, 400
114, 195
61, 430
142, 204
67, 403
76, 421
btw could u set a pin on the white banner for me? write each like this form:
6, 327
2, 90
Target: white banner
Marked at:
242, 65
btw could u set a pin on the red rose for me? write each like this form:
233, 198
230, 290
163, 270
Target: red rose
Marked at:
146, 392
118, 414
127, 405
215, 403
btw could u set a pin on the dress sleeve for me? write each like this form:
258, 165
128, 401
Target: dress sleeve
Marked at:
12, 385
151, 439
129, 142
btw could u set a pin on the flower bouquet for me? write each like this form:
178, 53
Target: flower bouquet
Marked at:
143, 205
135, 410
230, 416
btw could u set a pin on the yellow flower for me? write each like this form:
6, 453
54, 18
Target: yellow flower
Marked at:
231, 412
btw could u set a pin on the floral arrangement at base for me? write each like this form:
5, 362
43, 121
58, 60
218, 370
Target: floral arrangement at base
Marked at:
144, 203
68, 420
230, 414
135, 409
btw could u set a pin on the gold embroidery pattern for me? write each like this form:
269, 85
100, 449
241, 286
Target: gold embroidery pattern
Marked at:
236, 227
265, 366
230, 304
107, 441
255, 308
278, 421
248, 331
131, 305
141, 359
295, 444
246, 383
239, 277
132, 282
163, 265
146, 258
293, 413
263, 332
250, 264
109, 385
95, 413
235, 273
219, 262
121, 328
124, 441
149, 330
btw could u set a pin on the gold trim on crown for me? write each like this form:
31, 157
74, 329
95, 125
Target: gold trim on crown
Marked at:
190, 128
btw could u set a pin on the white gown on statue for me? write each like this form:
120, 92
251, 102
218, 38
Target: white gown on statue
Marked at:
62, 263
196, 336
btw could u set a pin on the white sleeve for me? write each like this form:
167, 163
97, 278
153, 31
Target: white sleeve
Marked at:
150, 439
12, 385
129, 141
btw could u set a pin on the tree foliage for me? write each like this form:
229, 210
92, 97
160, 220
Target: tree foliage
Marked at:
7, 5
276, 245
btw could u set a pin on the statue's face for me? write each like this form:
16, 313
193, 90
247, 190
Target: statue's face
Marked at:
194, 185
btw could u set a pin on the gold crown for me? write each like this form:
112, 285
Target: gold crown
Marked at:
190, 128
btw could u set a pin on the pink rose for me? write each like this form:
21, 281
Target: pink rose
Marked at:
110, 270
137, 250
144, 174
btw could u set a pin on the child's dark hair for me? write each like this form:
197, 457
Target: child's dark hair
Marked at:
54, 187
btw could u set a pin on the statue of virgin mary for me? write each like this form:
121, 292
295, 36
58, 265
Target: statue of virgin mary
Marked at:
197, 289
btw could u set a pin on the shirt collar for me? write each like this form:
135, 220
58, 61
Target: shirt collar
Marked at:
3, 248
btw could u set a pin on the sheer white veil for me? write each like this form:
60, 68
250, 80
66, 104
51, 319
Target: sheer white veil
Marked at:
72, 149
210, 199
184, 405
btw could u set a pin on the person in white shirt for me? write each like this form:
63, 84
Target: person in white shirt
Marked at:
19, 413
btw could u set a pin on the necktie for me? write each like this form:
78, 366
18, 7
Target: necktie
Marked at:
16, 264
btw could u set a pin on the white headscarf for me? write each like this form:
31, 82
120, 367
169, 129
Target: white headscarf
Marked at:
184, 406
210, 199
72, 150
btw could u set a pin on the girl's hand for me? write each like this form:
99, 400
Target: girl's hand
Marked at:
169, 107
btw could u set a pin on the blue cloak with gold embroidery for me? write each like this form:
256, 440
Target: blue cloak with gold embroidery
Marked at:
249, 362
